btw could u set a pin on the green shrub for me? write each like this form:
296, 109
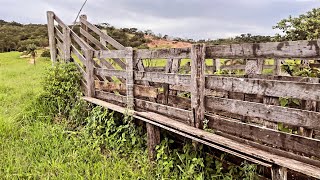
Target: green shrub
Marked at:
45, 53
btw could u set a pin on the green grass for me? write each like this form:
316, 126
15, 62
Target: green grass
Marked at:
42, 150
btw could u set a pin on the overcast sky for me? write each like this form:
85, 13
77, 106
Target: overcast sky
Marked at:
198, 19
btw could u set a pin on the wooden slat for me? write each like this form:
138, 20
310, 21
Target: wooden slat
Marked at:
51, 35
172, 53
60, 22
288, 49
129, 78
290, 116
67, 44
111, 54
238, 67
111, 97
176, 113
282, 140
299, 90
173, 79
104, 36
110, 72
58, 33
197, 83
80, 41
75, 51
92, 39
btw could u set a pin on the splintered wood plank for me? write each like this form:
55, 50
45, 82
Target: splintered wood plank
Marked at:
110, 72
111, 96
198, 83
287, 49
290, 116
153, 136
282, 140
299, 90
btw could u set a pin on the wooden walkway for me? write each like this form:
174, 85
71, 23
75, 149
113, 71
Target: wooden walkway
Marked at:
244, 110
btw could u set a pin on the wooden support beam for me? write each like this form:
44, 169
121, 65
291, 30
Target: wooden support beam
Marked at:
83, 26
153, 135
129, 78
278, 173
198, 84
67, 44
166, 86
90, 73
51, 34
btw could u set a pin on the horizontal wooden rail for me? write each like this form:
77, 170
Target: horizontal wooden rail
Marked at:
299, 90
111, 73
173, 53
295, 117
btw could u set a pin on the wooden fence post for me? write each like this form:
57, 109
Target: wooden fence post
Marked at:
67, 44
90, 73
198, 66
278, 173
130, 78
84, 17
51, 34
153, 135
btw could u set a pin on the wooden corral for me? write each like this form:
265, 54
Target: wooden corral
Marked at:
243, 110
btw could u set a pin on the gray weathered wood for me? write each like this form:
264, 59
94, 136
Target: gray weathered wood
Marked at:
288, 49
92, 39
104, 36
278, 173
51, 34
180, 114
90, 73
290, 116
111, 54
299, 90
58, 33
67, 44
83, 26
111, 97
153, 135
166, 86
60, 22
173, 53
173, 79
129, 78
75, 51
274, 138
198, 83
111, 72
83, 45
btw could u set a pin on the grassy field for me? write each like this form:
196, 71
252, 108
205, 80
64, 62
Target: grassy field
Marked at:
42, 150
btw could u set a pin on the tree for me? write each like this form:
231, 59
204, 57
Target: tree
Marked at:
304, 27
31, 49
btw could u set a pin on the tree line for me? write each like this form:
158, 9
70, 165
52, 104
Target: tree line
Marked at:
16, 37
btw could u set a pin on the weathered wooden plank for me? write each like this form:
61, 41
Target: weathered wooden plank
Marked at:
180, 114
60, 22
278, 173
80, 41
166, 86
90, 73
290, 116
67, 44
110, 72
197, 83
84, 74
274, 138
226, 144
104, 36
59, 45
51, 34
129, 78
58, 33
288, 49
153, 136
111, 54
299, 90
172, 53
238, 67
75, 51
92, 39
176, 101
111, 97
173, 79
219, 142
267, 77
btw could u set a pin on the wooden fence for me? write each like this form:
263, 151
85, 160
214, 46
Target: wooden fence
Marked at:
243, 110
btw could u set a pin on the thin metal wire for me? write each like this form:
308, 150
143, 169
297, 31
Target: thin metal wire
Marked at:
74, 22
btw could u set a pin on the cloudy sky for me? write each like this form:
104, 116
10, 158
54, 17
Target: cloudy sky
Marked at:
196, 19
